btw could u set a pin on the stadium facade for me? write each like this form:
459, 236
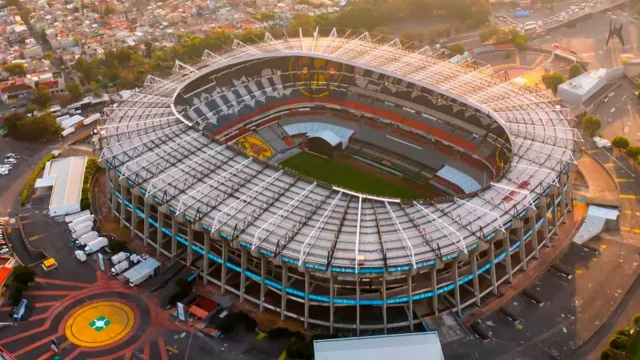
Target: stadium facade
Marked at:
325, 255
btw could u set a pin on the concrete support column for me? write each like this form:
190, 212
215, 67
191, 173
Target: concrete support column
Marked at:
476, 282
114, 181
147, 211
174, 241
410, 285
332, 293
457, 289
523, 254
545, 222
123, 210
492, 258
507, 259
384, 301
534, 235
223, 270
243, 267
306, 298
563, 208
283, 296
434, 288
134, 214
263, 276
555, 216
160, 233
190, 243
207, 247
568, 196
358, 304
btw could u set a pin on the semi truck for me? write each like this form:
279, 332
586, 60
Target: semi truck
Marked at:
81, 230
120, 267
87, 238
71, 218
96, 245
83, 219
142, 271
119, 257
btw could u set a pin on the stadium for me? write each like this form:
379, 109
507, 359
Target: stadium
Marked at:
250, 167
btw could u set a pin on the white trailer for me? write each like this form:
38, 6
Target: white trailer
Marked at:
142, 271
119, 257
118, 268
87, 238
73, 217
76, 225
81, 230
83, 219
96, 245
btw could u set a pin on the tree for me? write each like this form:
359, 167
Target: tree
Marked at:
48, 55
15, 294
607, 354
636, 319
553, 80
74, 90
633, 152
591, 125
413, 36
108, 11
23, 275
16, 69
457, 48
25, 12
10, 122
381, 30
638, 95
575, 70
618, 343
40, 128
620, 142
41, 96
488, 32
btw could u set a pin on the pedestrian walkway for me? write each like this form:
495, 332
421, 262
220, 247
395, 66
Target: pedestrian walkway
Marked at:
602, 188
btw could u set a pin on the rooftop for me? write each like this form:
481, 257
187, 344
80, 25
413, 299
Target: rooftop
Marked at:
67, 175
423, 346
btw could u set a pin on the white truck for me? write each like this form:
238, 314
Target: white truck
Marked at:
80, 255
83, 219
119, 257
81, 230
142, 271
119, 268
87, 239
71, 218
134, 258
96, 245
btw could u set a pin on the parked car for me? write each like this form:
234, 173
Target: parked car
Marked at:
10, 161
602, 143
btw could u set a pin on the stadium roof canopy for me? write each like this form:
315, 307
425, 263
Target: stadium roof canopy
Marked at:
154, 147
422, 346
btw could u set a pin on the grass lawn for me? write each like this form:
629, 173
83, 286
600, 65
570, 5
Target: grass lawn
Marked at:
634, 349
343, 175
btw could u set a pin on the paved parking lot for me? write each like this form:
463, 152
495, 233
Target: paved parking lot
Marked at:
573, 308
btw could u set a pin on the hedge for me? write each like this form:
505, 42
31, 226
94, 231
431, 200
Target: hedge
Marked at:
89, 171
24, 197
